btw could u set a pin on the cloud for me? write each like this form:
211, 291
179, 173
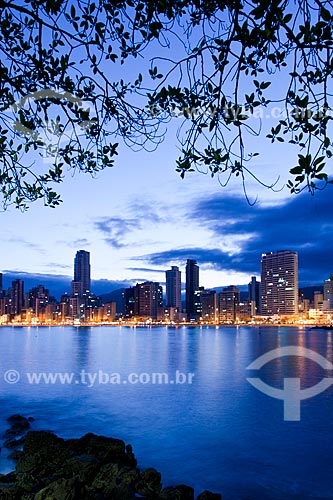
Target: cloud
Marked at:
57, 266
26, 243
302, 223
81, 242
115, 229
145, 269
147, 211
212, 258
37, 276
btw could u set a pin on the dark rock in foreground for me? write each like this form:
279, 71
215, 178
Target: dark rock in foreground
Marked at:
90, 468
19, 425
13, 443
19, 419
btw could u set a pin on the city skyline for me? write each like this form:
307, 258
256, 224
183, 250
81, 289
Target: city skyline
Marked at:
82, 267
136, 226
276, 295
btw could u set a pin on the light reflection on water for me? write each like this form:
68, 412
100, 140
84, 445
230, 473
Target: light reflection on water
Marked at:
218, 433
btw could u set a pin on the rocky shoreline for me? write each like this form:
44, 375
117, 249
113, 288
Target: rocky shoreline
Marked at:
89, 468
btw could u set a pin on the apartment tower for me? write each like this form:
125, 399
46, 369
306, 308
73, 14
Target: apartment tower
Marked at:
279, 283
174, 288
17, 297
192, 286
82, 273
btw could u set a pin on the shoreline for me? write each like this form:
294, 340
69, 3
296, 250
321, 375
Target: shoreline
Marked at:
91, 467
173, 326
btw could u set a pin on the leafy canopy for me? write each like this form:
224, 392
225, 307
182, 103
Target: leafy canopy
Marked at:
217, 64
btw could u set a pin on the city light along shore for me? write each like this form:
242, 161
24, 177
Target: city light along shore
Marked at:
276, 299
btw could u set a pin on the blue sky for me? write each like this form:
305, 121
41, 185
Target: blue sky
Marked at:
139, 218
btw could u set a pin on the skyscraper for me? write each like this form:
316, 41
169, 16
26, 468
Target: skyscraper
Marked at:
17, 297
82, 272
209, 308
131, 302
228, 304
328, 293
192, 285
279, 283
37, 299
174, 288
254, 296
150, 298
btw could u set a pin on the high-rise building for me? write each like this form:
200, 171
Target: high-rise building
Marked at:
192, 286
150, 298
74, 307
328, 293
63, 308
303, 303
0, 283
130, 298
82, 273
17, 297
76, 288
174, 288
143, 300
209, 308
318, 300
109, 311
228, 304
254, 296
197, 312
37, 299
279, 283
5, 305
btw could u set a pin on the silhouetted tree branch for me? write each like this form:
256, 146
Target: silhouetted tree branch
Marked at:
216, 64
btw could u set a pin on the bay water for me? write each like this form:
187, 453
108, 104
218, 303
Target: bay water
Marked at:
208, 427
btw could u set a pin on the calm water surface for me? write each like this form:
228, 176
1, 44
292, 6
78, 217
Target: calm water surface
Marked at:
218, 433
